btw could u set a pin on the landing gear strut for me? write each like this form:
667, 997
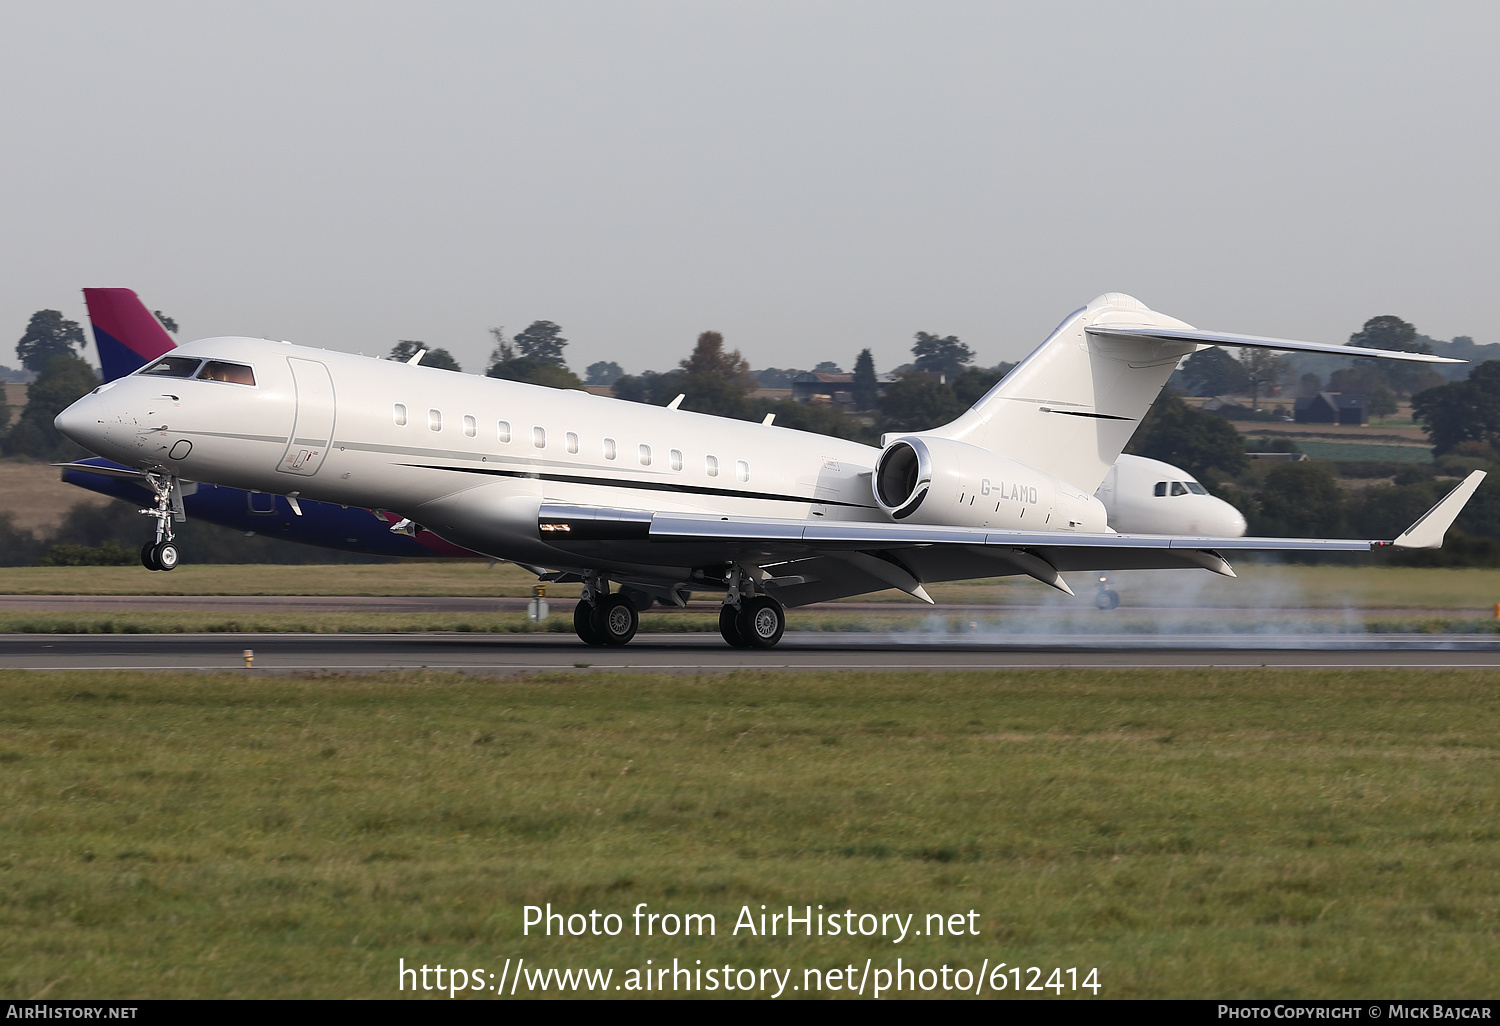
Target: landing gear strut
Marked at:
604, 619
747, 620
161, 554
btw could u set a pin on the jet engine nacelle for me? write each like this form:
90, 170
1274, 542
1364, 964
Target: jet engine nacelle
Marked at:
928, 480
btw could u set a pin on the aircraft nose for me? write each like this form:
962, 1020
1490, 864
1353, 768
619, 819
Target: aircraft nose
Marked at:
82, 422
1232, 521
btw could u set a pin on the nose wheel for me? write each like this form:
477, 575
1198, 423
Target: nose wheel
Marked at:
159, 555
162, 554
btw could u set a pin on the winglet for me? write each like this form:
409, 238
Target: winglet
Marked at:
1428, 531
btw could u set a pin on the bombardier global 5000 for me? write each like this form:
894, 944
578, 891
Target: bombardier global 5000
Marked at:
1140, 496
603, 492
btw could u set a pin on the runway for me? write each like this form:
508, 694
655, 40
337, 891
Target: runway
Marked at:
697, 653
476, 606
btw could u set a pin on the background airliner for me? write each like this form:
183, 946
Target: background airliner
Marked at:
578, 487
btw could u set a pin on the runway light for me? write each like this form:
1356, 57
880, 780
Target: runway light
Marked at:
249, 655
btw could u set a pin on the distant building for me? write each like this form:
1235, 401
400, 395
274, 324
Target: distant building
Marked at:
814, 387
1331, 408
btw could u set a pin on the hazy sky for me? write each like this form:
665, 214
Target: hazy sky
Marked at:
810, 178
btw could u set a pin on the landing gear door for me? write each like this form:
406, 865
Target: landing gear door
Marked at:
312, 431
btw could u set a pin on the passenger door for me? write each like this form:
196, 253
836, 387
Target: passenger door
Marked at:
312, 430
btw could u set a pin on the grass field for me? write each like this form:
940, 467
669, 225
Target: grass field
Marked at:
1322, 450
1259, 586
35, 494
1245, 833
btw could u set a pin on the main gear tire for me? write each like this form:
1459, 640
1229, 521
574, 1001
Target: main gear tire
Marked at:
761, 622
583, 623
615, 620
729, 626
148, 556
1107, 598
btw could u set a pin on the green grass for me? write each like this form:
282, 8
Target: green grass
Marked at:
458, 577
1248, 833
1365, 451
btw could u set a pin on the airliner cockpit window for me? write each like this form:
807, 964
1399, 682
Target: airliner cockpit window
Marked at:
1196, 488
1178, 488
173, 367
234, 373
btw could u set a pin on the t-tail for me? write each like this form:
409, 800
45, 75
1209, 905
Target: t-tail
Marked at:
127, 335
1071, 406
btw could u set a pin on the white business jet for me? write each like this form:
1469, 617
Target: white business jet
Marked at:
581, 488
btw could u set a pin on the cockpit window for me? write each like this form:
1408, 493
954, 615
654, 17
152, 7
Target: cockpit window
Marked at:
1178, 488
234, 373
173, 367
1196, 488
1161, 489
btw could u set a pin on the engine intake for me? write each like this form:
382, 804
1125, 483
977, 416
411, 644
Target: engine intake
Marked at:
903, 477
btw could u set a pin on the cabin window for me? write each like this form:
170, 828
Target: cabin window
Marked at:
539, 437
1178, 488
1196, 488
609, 449
573, 442
1161, 489
434, 420
398, 414
233, 373
676, 459
742, 470
504, 430
711, 464
645, 455
173, 367
471, 427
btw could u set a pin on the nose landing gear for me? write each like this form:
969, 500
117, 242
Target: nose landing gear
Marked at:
162, 554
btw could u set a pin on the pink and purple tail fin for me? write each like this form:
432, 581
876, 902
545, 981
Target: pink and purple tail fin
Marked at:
128, 335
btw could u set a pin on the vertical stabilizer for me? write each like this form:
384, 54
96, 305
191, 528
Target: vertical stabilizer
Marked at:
127, 335
1071, 406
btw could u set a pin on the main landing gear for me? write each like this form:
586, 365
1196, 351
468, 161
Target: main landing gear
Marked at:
604, 619
161, 553
1107, 597
747, 620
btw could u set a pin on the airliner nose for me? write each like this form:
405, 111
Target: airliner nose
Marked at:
1232, 521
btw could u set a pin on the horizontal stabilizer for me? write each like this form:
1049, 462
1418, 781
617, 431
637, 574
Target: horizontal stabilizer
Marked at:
1218, 338
1428, 531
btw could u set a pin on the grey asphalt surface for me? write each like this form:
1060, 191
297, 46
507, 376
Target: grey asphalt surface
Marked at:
498, 653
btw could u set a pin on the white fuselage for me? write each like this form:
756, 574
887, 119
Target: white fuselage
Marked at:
474, 458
